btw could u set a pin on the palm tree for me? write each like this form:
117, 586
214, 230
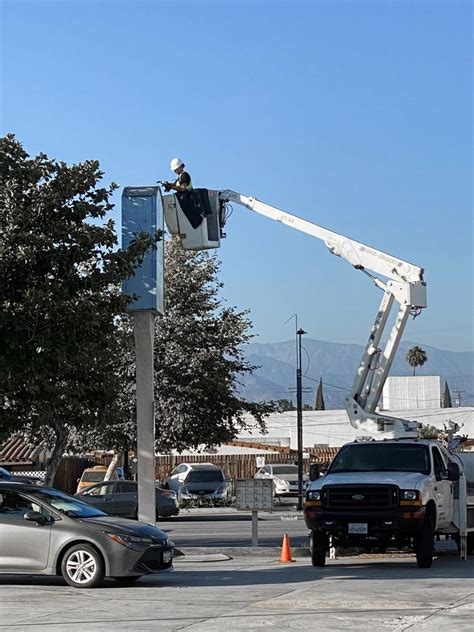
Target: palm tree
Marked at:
416, 356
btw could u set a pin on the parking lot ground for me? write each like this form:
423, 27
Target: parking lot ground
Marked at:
251, 593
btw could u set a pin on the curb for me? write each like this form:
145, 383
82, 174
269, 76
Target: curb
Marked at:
223, 553
238, 551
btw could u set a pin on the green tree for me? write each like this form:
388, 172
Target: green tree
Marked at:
429, 432
319, 405
447, 403
198, 361
284, 405
199, 357
59, 298
416, 357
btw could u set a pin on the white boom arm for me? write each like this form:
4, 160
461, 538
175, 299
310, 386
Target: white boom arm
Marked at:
405, 285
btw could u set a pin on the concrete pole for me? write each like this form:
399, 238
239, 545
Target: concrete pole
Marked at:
144, 339
254, 527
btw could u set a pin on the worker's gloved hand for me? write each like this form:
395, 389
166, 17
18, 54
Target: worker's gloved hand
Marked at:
166, 186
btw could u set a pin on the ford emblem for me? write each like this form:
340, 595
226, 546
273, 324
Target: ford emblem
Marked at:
357, 497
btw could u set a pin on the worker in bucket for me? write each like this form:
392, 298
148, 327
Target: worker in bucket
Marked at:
183, 179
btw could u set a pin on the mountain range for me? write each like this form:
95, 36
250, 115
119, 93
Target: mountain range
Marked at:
336, 364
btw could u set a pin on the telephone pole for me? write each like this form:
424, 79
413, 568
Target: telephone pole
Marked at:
299, 418
458, 396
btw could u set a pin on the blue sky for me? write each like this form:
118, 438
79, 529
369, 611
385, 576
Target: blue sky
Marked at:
354, 115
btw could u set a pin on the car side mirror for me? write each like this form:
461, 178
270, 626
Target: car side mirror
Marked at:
454, 472
313, 471
36, 516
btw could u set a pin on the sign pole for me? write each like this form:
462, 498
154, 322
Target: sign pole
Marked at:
144, 337
142, 212
254, 527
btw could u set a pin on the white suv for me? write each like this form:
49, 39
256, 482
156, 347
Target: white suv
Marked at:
285, 479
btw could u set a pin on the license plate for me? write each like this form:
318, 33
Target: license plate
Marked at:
167, 556
358, 527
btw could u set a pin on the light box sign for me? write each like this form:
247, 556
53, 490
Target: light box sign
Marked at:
142, 211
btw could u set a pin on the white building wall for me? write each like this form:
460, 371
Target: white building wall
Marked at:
411, 392
333, 427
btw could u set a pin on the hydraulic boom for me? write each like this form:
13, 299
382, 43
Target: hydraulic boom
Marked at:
404, 284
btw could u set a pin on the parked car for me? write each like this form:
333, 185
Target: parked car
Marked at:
193, 481
96, 474
47, 532
285, 479
120, 498
7, 476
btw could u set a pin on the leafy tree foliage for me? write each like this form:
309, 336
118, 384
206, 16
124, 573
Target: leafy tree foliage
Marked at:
284, 405
319, 405
198, 361
199, 357
59, 298
447, 403
416, 357
429, 432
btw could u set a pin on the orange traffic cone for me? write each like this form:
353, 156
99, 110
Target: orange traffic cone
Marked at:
285, 556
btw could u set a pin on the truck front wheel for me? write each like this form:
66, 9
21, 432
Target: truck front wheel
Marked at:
319, 544
424, 543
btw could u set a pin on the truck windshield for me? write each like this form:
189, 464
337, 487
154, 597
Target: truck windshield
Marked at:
382, 457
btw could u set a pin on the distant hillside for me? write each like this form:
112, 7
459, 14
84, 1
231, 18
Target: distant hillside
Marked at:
337, 363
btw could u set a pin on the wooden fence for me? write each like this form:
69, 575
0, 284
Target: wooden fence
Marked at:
69, 470
234, 465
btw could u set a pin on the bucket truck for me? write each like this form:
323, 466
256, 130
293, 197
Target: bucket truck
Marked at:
397, 490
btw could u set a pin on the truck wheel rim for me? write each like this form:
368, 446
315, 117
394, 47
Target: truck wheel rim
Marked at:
81, 567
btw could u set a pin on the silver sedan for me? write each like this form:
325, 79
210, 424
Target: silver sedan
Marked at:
44, 531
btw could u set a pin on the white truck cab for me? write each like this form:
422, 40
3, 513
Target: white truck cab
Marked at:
384, 493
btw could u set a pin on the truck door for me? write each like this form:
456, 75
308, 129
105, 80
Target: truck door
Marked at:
443, 490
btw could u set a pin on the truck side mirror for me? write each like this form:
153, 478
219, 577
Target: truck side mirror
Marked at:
313, 471
453, 472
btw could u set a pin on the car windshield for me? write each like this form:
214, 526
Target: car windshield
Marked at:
285, 469
382, 457
67, 504
205, 476
93, 477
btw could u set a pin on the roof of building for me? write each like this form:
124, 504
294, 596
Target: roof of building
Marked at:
16, 451
332, 427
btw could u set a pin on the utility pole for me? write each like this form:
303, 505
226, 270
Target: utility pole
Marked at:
458, 396
299, 418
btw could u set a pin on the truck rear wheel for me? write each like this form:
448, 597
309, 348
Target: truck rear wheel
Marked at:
318, 544
424, 544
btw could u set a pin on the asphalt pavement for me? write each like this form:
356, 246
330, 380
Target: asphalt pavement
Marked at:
220, 582
252, 593
228, 528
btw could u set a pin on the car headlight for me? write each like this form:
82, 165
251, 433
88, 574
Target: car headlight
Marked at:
410, 497
133, 540
279, 482
313, 495
221, 489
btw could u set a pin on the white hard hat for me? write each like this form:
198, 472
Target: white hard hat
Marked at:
176, 163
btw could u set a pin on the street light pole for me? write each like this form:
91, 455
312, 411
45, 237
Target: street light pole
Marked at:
299, 418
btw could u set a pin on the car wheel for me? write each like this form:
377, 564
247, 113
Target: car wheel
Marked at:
318, 544
424, 544
127, 580
82, 566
